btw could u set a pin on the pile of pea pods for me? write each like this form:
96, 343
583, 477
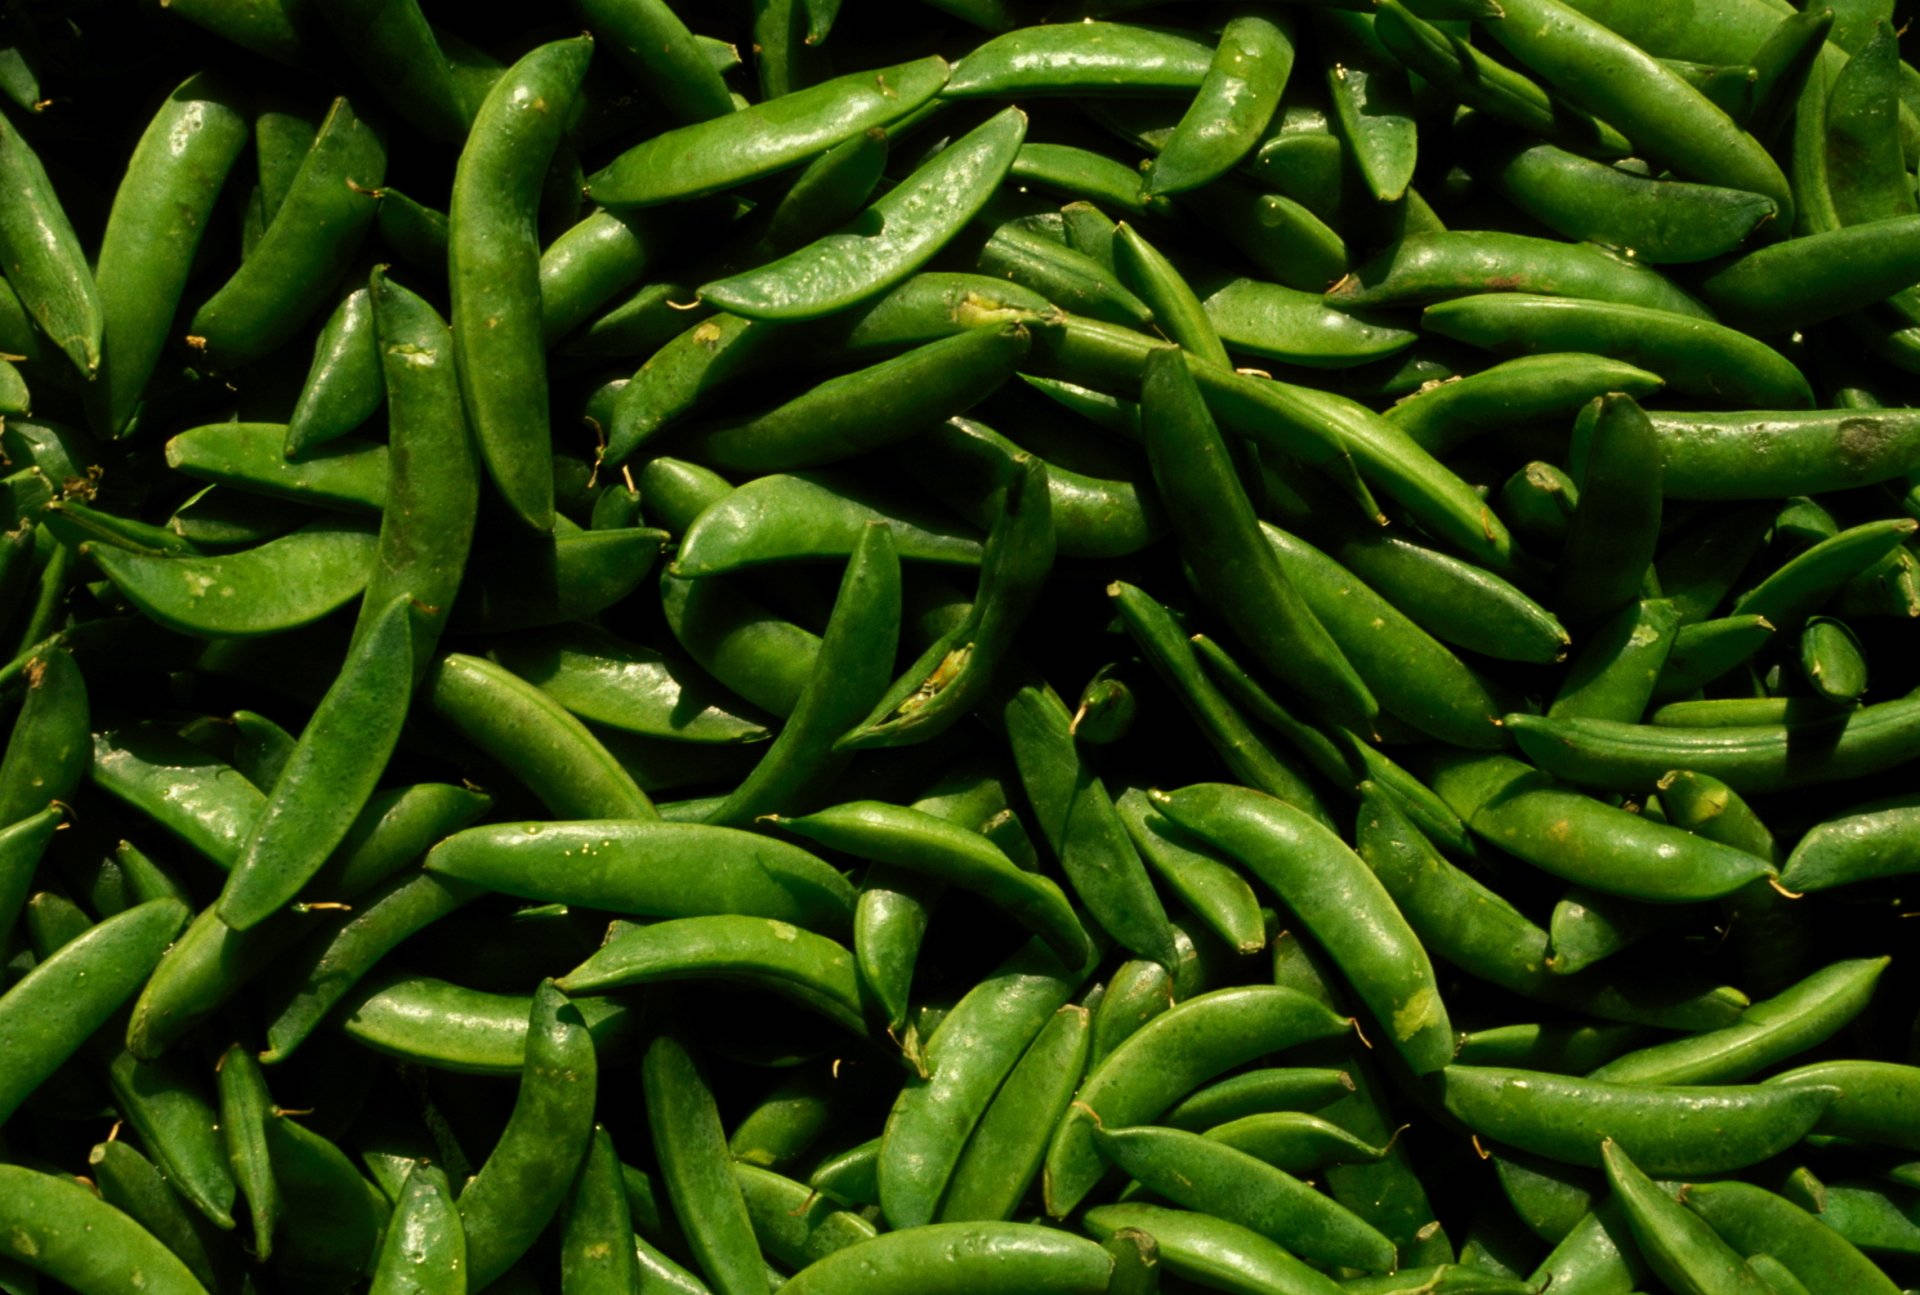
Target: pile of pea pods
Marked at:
959, 647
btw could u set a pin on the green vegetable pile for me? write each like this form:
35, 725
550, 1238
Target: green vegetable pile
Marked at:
542, 576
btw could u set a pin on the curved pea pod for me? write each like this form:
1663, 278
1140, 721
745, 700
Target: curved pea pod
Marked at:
424, 1248
250, 457
1232, 107
1284, 239
1094, 179
811, 515
1615, 676
1515, 393
683, 369
431, 1022
203, 801
1755, 1221
1175, 309
1522, 810
1615, 526
696, 1170
1670, 1130
1216, 1178
1372, 103
1695, 356
1804, 281
1087, 58
830, 191
21, 845
42, 256
653, 44
1865, 162
129, 1181
1206, 884
961, 1259
1281, 323
494, 271
1875, 1101
1217, 1252
627, 686
334, 1215
1295, 1141
889, 240
1805, 581
245, 1108
343, 386
1336, 897
933, 304
794, 1224
1166, 1059
599, 257
648, 869
159, 212
279, 585
760, 656
1260, 1092
1426, 268
58, 1228
1082, 282
553, 580
327, 211
1706, 650
1680, 1247
1756, 455
1831, 660
1877, 840
50, 748
392, 44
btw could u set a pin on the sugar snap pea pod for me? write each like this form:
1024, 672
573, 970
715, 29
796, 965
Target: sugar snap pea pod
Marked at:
21, 845
848, 1177
524, 1179
1695, 356
1807, 280
128, 1181
647, 869
42, 256
159, 212
787, 1121
696, 1170
889, 241
1755, 1221
392, 44
413, 232
1865, 167
1284, 239
327, 211
1522, 810
433, 1023
1093, 178
424, 1248
1435, 267
1598, 1257
830, 191
1081, 281
1614, 677
1176, 310
1259, 1092
1208, 886
50, 747
1372, 103
1831, 660
250, 457
627, 686
1136, 992
1783, 66
1588, 926
1679, 1246
1809, 578
1440, 1279
934, 304
794, 1224
1876, 840
1706, 650
279, 585
811, 515
675, 376
58, 1228
651, 42
177, 1126
549, 750
493, 268
1615, 526
1231, 109
1663, 221
1086, 58
1211, 1251
1671, 1130
1166, 1059
49, 1013
600, 256
343, 386
1282, 323
1755, 455
555, 579
1874, 1104
980, 1258
1336, 897
1218, 1179
334, 1215
204, 802
245, 1110
1515, 393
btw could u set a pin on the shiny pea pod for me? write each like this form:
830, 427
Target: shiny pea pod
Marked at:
1206, 884
795, 1225
1280, 323
1179, 314
1436, 267
696, 1170
1876, 840
1083, 282
1757, 455
1515, 393
1215, 1252
1615, 526
424, 1248
129, 1181
1081, 59
811, 515
1874, 1102
430, 1022
1805, 581
961, 1259
1372, 103
1258, 1092
250, 457
21, 845
1755, 1221
627, 686
1296, 1141
1805, 281
1706, 650
42, 256
177, 1126
829, 192
50, 747
343, 387
1231, 109
60, 1229
334, 1214
1615, 676
1680, 1247
651, 41
1831, 660
245, 1109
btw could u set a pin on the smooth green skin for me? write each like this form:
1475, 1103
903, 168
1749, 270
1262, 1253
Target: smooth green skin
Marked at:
962, 1066
1873, 1216
1085, 58
1514, 393
1667, 119
546, 748
1092, 178
245, 1109
493, 268
57, 1227
1165, 1060
1217, 1179
159, 212
1215, 1252
627, 686
1614, 675
394, 48
1597, 1257
1281, 323
600, 257
1232, 107
1372, 104
1337, 898
1615, 526
1144, 270
414, 233
828, 193
758, 655
507, 1204
676, 375
1439, 1279
849, 674
433, 1023
1875, 1101
1669, 1130
697, 1172
129, 1182
1462, 921
290, 274
811, 515
14, 396
1081, 827
888, 241
1218, 536
334, 1216
921, 843
1082, 282
1136, 1262
1415, 678
1295, 1141
1009, 1140
889, 921
714, 155
1831, 660
786, 1122
1706, 650
1714, 810
646, 320
21, 845
280, 585
1805, 281
424, 1248
1550, 1199
200, 800
50, 1012
1588, 927
955, 672
1584, 840
1865, 165
1679, 1246
1695, 356
42, 257
1663, 221
849, 1177
934, 304
1284, 239
960, 1259
73, 523
177, 1126
597, 1256
1426, 268
1794, 1020
1755, 455
250, 457
332, 771
51, 744
1878, 840
202, 969
870, 408
1208, 887
651, 42
1134, 994
794, 1224
1754, 1221
343, 386
552, 580
1783, 67
1808, 579
1257, 1093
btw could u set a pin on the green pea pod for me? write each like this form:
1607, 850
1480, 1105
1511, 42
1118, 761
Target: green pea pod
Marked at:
1865, 166
1754, 1221
1092, 178
51, 747
1805, 281
1232, 107
1809, 578
951, 1258
697, 1172
1596, 1257
424, 1249
1679, 1246
1136, 992
21, 845
1175, 308
343, 386
1206, 884
626, 686
280, 585
42, 257
129, 1182
649, 869
1071, 279
1706, 650
313, 236
1671, 1130
715, 155
1615, 526
794, 1224
1284, 239
178, 1127
416, 234
830, 191
889, 241
494, 271
393, 46
1760, 455
1514, 393
1435, 267
679, 373
1372, 103
429, 1022
551, 580
1280, 323
1831, 660
1222, 1253
1081, 59
61, 1229
202, 801
246, 1108
811, 514
1865, 842
1294, 1141
648, 39
250, 457
1615, 676
601, 256
159, 212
